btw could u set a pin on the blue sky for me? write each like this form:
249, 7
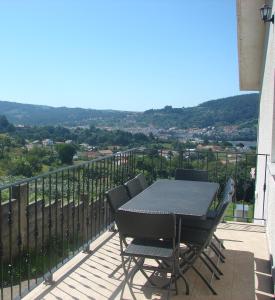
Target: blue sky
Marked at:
118, 54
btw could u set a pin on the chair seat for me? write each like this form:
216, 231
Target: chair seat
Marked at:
149, 249
206, 224
194, 236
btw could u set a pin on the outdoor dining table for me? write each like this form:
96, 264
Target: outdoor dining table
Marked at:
191, 199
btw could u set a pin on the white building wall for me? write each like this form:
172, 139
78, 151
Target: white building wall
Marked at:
270, 208
265, 201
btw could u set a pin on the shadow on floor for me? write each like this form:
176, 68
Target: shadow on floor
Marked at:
100, 276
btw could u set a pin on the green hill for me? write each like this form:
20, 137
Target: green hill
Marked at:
236, 110
228, 111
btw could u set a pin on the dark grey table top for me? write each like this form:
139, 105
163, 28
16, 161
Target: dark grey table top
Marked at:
181, 197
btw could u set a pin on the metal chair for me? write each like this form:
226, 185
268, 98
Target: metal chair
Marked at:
154, 237
212, 214
133, 187
116, 197
142, 180
191, 174
199, 235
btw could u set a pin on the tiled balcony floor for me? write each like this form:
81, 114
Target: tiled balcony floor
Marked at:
99, 275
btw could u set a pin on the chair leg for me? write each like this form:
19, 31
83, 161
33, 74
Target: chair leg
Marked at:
126, 274
219, 241
212, 263
217, 252
169, 287
185, 281
204, 280
209, 267
139, 268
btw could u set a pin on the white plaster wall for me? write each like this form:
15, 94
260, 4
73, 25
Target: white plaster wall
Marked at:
266, 140
270, 205
250, 43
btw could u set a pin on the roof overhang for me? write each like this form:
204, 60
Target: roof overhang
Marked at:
251, 34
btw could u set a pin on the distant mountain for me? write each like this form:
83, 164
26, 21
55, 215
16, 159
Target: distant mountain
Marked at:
236, 110
30, 114
226, 111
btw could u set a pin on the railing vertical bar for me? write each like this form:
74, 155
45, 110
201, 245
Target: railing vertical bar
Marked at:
73, 213
120, 171
62, 217
264, 188
88, 203
152, 166
107, 172
243, 200
123, 167
43, 250
112, 179
50, 250
68, 211
56, 248
78, 207
19, 239
226, 166
117, 169
161, 162
143, 155
126, 163
110, 172
207, 162
105, 187
28, 257
93, 218
10, 243
1, 247
35, 227
97, 201
216, 167
100, 196
134, 161
236, 180
84, 199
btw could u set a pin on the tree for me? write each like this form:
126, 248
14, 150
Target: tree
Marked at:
66, 153
5, 143
20, 167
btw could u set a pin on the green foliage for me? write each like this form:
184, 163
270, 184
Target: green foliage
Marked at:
228, 111
66, 153
20, 166
240, 110
5, 143
5, 126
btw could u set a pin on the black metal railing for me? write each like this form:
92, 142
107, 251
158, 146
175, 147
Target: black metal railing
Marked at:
46, 220
241, 166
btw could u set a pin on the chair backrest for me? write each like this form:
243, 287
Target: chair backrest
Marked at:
146, 226
116, 197
229, 187
142, 180
191, 174
226, 200
133, 187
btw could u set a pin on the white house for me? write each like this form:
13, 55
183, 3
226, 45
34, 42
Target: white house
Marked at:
47, 142
256, 46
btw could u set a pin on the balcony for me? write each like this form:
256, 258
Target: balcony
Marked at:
51, 222
99, 275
